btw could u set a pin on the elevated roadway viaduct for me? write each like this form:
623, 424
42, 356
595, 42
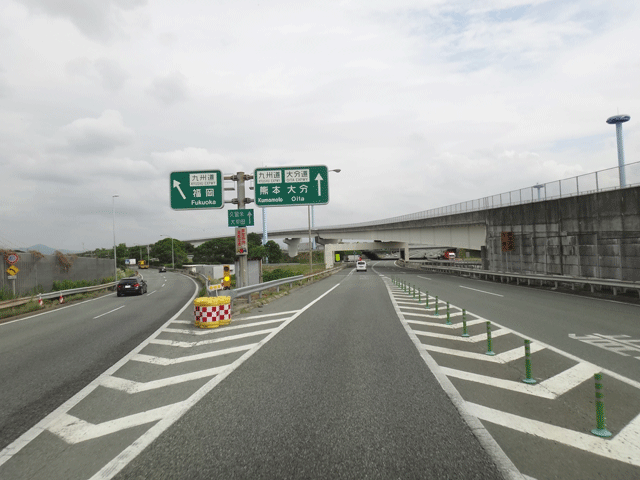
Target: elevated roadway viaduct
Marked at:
593, 235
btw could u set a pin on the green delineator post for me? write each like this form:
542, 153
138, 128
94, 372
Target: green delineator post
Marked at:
448, 315
426, 299
489, 348
464, 323
527, 363
601, 429
419, 295
436, 305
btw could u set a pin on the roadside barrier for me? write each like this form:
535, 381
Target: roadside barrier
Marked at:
601, 429
464, 323
527, 363
489, 350
212, 312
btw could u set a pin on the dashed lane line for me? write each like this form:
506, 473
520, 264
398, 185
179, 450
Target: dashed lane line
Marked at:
481, 291
110, 311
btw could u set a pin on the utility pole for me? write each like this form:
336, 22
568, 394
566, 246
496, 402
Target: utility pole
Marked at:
242, 276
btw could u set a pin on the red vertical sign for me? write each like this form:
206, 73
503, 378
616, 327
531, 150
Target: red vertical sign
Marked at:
241, 241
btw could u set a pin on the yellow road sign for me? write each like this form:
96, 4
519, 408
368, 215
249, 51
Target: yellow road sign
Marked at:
13, 270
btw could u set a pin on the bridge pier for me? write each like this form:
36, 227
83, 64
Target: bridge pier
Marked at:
293, 244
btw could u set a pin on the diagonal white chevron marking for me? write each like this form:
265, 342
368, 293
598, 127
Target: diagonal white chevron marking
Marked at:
476, 338
189, 358
440, 324
571, 378
210, 331
74, 430
131, 386
504, 357
176, 343
623, 447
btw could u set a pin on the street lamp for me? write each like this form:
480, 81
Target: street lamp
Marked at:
115, 265
173, 264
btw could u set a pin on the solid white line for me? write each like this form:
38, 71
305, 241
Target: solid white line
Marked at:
131, 386
110, 311
481, 291
127, 455
53, 311
209, 331
74, 430
175, 343
621, 449
155, 360
474, 339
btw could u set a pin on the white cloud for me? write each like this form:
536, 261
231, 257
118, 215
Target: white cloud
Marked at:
97, 135
169, 89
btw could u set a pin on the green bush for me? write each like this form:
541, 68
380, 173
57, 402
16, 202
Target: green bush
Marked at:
279, 273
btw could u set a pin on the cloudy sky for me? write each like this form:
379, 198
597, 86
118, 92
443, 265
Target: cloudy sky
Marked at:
420, 103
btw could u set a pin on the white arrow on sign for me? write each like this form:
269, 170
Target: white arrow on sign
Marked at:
319, 180
176, 184
249, 213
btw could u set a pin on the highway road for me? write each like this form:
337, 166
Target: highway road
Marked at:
353, 376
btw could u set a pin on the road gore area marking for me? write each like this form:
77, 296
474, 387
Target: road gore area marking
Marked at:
481, 291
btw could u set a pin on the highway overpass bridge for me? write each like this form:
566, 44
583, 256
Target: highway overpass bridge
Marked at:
586, 226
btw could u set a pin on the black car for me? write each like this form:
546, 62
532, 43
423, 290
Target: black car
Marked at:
131, 286
163, 269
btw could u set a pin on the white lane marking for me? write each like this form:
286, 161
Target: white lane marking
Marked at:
441, 325
152, 292
110, 311
74, 430
22, 441
504, 357
424, 277
176, 343
474, 339
126, 456
623, 447
210, 331
550, 388
53, 311
254, 317
131, 386
155, 360
481, 291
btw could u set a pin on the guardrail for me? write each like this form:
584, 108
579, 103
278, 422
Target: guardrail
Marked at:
45, 296
260, 287
529, 277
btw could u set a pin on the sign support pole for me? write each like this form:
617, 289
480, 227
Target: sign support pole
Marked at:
310, 250
242, 275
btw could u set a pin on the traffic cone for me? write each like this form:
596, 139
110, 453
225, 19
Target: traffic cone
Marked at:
61, 299
40, 300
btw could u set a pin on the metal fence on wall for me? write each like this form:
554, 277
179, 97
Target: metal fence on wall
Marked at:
599, 181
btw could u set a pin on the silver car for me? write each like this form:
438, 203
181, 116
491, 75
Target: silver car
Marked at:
361, 266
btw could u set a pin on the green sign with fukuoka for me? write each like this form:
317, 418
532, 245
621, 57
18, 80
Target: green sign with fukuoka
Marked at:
291, 186
192, 190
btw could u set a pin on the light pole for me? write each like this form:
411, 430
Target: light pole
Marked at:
618, 120
115, 265
173, 264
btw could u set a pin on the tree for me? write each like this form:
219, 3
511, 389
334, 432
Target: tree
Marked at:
216, 251
273, 251
162, 251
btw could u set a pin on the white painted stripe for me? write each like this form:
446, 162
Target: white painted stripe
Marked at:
504, 357
48, 312
481, 291
476, 338
266, 315
175, 343
74, 430
152, 292
425, 278
189, 358
210, 331
131, 452
440, 324
571, 378
519, 387
442, 312
110, 311
131, 386
187, 322
43, 424
621, 450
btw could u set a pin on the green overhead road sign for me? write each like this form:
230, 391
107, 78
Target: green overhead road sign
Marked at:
241, 217
291, 186
192, 190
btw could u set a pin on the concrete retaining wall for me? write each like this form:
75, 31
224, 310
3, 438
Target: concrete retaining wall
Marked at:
596, 235
43, 271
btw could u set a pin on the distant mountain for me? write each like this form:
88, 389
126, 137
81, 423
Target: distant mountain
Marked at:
43, 249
